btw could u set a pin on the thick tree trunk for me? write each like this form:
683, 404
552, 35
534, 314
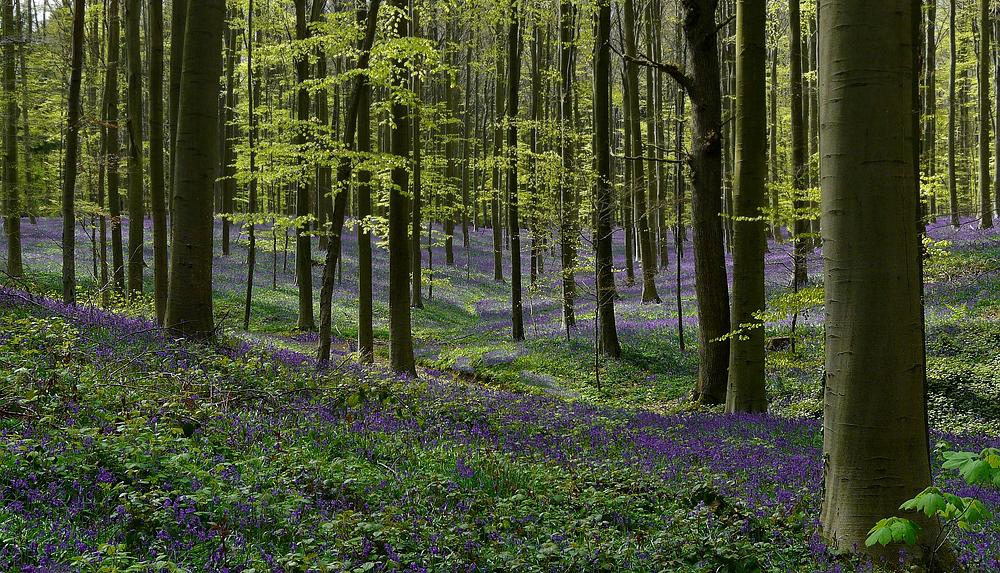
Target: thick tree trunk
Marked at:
705, 162
303, 242
513, 220
110, 133
746, 390
875, 438
133, 49
156, 180
11, 191
400, 337
985, 204
189, 292
70, 162
604, 198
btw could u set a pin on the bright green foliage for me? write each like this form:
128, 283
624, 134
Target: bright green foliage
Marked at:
960, 512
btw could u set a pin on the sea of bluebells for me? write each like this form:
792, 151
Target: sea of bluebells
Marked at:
124, 450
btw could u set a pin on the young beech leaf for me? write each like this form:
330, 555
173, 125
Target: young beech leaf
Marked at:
976, 471
930, 501
880, 534
906, 530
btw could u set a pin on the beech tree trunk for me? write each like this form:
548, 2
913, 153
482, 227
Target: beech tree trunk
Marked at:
746, 389
569, 224
952, 105
366, 338
641, 214
70, 162
156, 180
133, 126
604, 197
189, 291
875, 437
513, 219
400, 337
985, 204
11, 191
800, 166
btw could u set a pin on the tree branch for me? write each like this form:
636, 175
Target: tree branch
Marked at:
669, 68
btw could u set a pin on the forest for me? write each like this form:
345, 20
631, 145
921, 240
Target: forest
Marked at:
500, 285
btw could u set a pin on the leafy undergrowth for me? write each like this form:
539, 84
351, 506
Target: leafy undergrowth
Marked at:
122, 450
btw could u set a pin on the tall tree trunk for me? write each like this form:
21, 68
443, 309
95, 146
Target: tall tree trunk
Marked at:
416, 256
996, 116
400, 337
228, 136
641, 213
253, 98
985, 204
952, 104
111, 146
773, 142
189, 292
800, 166
875, 436
366, 338
11, 192
569, 225
930, 102
178, 22
466, 147
513, 220
498, 94
303, 242
604, 198
705, 162
451, 158
72, 140
746, 391
156, 182
133, 49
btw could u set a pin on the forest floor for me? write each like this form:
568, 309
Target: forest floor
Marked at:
120, 448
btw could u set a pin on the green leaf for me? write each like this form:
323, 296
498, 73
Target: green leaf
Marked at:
906, 530
930, 501
977, 471
880, 534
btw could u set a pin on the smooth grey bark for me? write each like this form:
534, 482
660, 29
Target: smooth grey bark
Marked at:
133, 130
985, 204
11, 191
70, 162
875, 437
400, 337
189, 289
366, 337
157, 194
604, 199
746, 388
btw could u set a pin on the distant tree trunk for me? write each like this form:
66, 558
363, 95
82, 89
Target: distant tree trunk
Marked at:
533, 186
340, 202
513, 220
253, 97
952, 104
189, 292
604, 198
746, 390
773, 142
800, 165
930, 102
110, 129
569, 225
133, 48
228, 135
156, 182
466, 147
416, 274
646, 252
12, 194
72, 140
303, 242
366, 338
875, 437
451, 157
400, 337
178, 22
996, 116
497, 146
985, 204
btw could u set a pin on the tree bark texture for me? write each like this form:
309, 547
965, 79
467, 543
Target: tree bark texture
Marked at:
133, 130
157, 197
11, 190
875, 438
70, 162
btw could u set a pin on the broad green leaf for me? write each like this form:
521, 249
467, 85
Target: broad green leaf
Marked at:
976, 471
